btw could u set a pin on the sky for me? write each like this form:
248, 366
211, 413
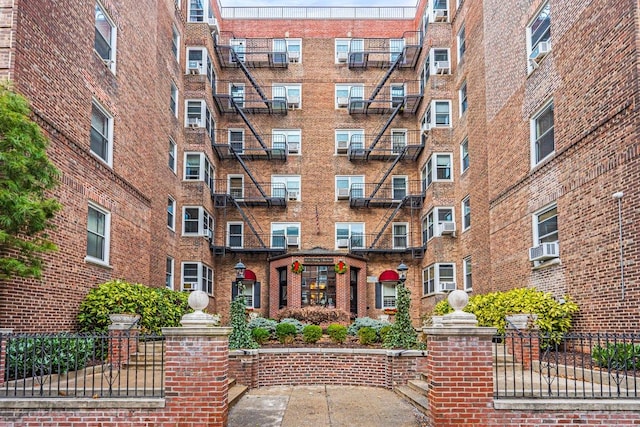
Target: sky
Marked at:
320, 3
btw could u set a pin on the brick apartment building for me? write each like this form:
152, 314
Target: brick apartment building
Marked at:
478, 142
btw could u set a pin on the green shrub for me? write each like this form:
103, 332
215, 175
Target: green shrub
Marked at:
368, 322
337, 332
295, 322
260, 335
285, 332
264, 323
384, 331
617, 356
402, 334
315, 315
34, 355
367, 335
311, 333
491, 309
157, 307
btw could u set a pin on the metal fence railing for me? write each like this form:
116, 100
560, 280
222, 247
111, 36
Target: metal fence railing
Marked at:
581, 366
123, 365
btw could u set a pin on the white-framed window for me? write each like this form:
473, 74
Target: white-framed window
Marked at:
171, 213
235, 186
399, 187
237, 94
349, 186
545, 225
285, 234
199, 62
542, 134
350, 235
396, 46
168, 281
439, 277
286, 186
290, 93
349, 139
101, 133
439, 58
439, 220
199, 11
398, 140
198, 115
287, 140
173, 153
235, 138
248, 294
466, 269
466, 213
175, 42
287, 50
197, 276
438, 113
342, 50
425, 73
389, 295
438, 10
197, 167
464, 155
439, 167
400, 231
105, 37
398, 92
196, 221
462, 96
235, 234
98, 234
173, 102
461, 40
346, 93
539, 36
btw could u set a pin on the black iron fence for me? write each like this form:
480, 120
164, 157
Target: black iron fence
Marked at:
581, 366
121, 364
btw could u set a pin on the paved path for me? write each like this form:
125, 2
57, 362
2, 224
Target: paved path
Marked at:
322, 406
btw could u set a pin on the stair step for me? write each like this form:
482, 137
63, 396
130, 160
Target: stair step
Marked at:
419, 386
236, 392
418, 400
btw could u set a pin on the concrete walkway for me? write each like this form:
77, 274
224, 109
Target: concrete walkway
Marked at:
323, 406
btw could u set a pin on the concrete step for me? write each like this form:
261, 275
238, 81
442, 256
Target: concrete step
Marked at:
417, 399
419, 386
236, 392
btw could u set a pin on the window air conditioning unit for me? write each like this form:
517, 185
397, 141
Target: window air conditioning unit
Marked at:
343, 101
293, 195
293, 147
294, 57
194, 122
342, 56
426, 127
343, 243
194, 70
213, 23
293, 102
190, 286
544, 251
343, 193
447, 286
541, 50
293, 240
440, 15
342, 146
442, 67
447, 227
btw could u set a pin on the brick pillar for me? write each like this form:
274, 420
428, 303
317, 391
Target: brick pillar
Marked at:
123, 339
3, 352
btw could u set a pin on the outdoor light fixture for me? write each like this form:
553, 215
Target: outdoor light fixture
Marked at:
402, 272
618, 196
240, 269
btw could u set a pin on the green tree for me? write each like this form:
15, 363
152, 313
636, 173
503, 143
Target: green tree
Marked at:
26, 175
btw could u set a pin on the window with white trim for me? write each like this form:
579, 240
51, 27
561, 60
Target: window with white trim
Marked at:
168, 281
462, 96
439, 60
346, 93
196, 221
389, 295
173, 153
198, 115
285, 234
439, 277
173, 102
197, 276
287, 50
171, 213
236, 140
439, 167
466, 213
290, 93
235, 234
539, 36
466, 268
461, 40
399, 187
438, 10
287, 140
349, 139
197, 167
199, 62
542, 134
175, 42
435, 219
545, 225
105, 37
237, 94
464, 155
438, 113
286, 186
199, 11
398, 140
350, 235
101, 139
425, 73
235, 186
400, 234
98, 234
349, 186
342, 50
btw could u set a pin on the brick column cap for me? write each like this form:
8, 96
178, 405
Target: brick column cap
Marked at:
6, 331
213, 331
464, 331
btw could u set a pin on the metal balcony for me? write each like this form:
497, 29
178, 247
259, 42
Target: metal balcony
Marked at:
389, 243
407, 145
247, 193
228, 100
383, 52
384, 100
252, 52
386, 195
249, 243
228, 143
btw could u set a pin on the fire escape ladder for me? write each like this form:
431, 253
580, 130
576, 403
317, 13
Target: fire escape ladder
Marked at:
250, 77
246, 169
388, 172
248, 221
384, 127
253, 130
390, 71
390, 215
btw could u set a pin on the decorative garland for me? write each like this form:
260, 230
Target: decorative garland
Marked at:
297, 267
340, 267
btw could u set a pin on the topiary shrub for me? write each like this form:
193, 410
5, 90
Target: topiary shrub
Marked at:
295, 322
337, 333
367, 335
401, 334
158, 307
260, 335
286, 332
491, 309
368, 322
316, 315
311, 333
264, 323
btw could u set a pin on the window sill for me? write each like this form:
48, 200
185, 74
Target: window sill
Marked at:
546, 264
97, 262
542, 162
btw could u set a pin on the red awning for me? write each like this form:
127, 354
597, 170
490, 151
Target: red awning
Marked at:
389, 276
249, 276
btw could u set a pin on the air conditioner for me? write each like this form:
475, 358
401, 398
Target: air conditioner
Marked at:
293, 195
541, 50
343, 243
293, 102
442, 67
213, 23
194, 70
193, 122
189, 286
342, 146
294, 56
343, 193
426, 127
293, 147
447, 227
440, 15
342, 56
343, 101
544, 251
447, 286
293, 240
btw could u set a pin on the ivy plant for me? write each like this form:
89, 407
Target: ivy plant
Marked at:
402, 333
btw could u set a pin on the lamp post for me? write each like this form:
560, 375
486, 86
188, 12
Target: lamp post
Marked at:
618, 196
402, 272
240, 269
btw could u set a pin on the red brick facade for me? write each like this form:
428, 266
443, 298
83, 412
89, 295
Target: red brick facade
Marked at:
593, 85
